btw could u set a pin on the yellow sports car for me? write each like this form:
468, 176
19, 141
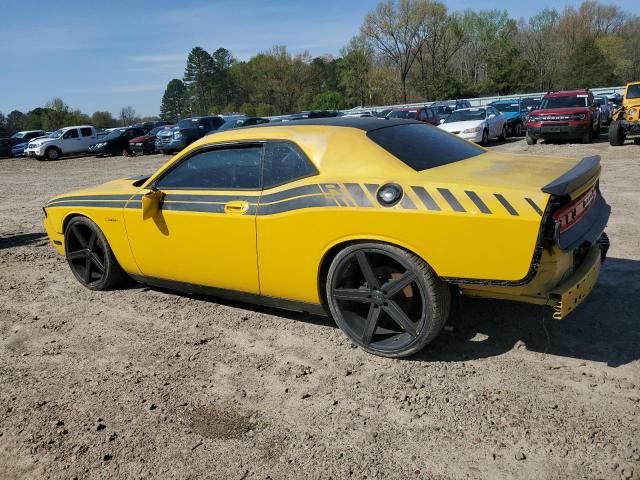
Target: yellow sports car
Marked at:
372, 221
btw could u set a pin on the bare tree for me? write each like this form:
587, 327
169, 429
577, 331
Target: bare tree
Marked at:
127, 115
397, 30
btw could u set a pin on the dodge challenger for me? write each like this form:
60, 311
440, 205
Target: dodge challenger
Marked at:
373, 222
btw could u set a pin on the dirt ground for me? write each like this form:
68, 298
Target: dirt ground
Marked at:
142, 383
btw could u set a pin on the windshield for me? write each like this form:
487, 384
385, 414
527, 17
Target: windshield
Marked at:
56, 134
506, 107
114, 134
403, 114
155, 131
187, 123
563, 102
633, 91
466, 115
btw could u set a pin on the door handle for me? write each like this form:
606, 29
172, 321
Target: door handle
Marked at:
238, 207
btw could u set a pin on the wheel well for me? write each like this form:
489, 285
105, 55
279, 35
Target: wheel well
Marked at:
67, 219
325, 263
52, 147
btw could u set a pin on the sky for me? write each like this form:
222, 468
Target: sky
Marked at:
114, 53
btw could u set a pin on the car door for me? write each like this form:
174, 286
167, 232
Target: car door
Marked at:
71, 141
495, 122
88, 136
204, 232
289, 188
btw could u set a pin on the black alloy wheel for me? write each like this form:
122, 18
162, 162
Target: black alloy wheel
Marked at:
385, 299
517, 130
89, 256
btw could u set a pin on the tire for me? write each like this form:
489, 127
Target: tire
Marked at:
616, 134
636, 141
52, 153
517, 130
86, 247
531, 140
485, 138
395, 323
588, 138
503, 134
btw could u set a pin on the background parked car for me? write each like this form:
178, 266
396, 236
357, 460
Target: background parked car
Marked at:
476, 124
6, 146
531, 103
117, 142
146, 144
606, 109
515, 113
27, 135
186, 132
422, 114
65, 141
240, 122
444, 109
18, 149
565, 115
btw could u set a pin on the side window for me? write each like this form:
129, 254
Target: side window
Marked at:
86, 132
284, 163
430, 113
73, 133
422, 116
218, 169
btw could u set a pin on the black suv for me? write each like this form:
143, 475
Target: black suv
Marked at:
186, 132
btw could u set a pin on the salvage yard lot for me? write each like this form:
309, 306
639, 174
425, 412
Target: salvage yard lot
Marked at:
142, 383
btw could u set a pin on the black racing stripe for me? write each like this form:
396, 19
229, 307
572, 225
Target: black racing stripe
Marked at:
407, 203
506, 204
477, 201
296, 204
426, 198
292, 192
534, 206
373, 188
137, 196
451, 199
90, 197
193, 207
180, 197
358, 195
88, 203
134, 204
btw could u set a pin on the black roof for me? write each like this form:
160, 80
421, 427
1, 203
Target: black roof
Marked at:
367, 124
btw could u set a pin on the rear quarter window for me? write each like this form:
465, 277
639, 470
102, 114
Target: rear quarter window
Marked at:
423, 146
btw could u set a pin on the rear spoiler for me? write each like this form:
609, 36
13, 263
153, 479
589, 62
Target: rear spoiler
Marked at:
575, 178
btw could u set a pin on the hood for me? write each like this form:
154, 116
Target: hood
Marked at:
459, 126
558, 111
511, 115
143, 139
168, 133
41, 140
123, 187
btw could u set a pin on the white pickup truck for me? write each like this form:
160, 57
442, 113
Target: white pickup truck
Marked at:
65, 141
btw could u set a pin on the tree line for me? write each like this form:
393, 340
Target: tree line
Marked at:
417, 50
57, 114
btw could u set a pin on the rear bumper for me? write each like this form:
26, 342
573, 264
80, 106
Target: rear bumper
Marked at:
573, 291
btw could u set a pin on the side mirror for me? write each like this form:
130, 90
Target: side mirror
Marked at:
151, 202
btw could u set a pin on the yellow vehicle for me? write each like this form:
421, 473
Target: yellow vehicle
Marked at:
626, 119
371, 221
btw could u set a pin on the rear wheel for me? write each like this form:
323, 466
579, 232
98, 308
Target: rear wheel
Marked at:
385, 299
531, 140
503, 134
517, 130
89, 255
616, 134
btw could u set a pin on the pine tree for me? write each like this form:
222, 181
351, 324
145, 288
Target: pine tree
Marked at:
198, 77
174, 101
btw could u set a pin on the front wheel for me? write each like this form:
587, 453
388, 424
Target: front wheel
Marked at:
52, 153
89, 255
616, 134
385, 299
485, 137
531, 140
588, 138
503, 134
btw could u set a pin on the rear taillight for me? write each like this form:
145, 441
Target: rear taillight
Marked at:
568, 215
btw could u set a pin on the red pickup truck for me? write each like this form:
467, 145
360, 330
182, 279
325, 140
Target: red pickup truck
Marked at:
565, 115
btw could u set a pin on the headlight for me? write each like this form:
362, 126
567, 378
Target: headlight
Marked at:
177, 135
633, 111
472, 130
